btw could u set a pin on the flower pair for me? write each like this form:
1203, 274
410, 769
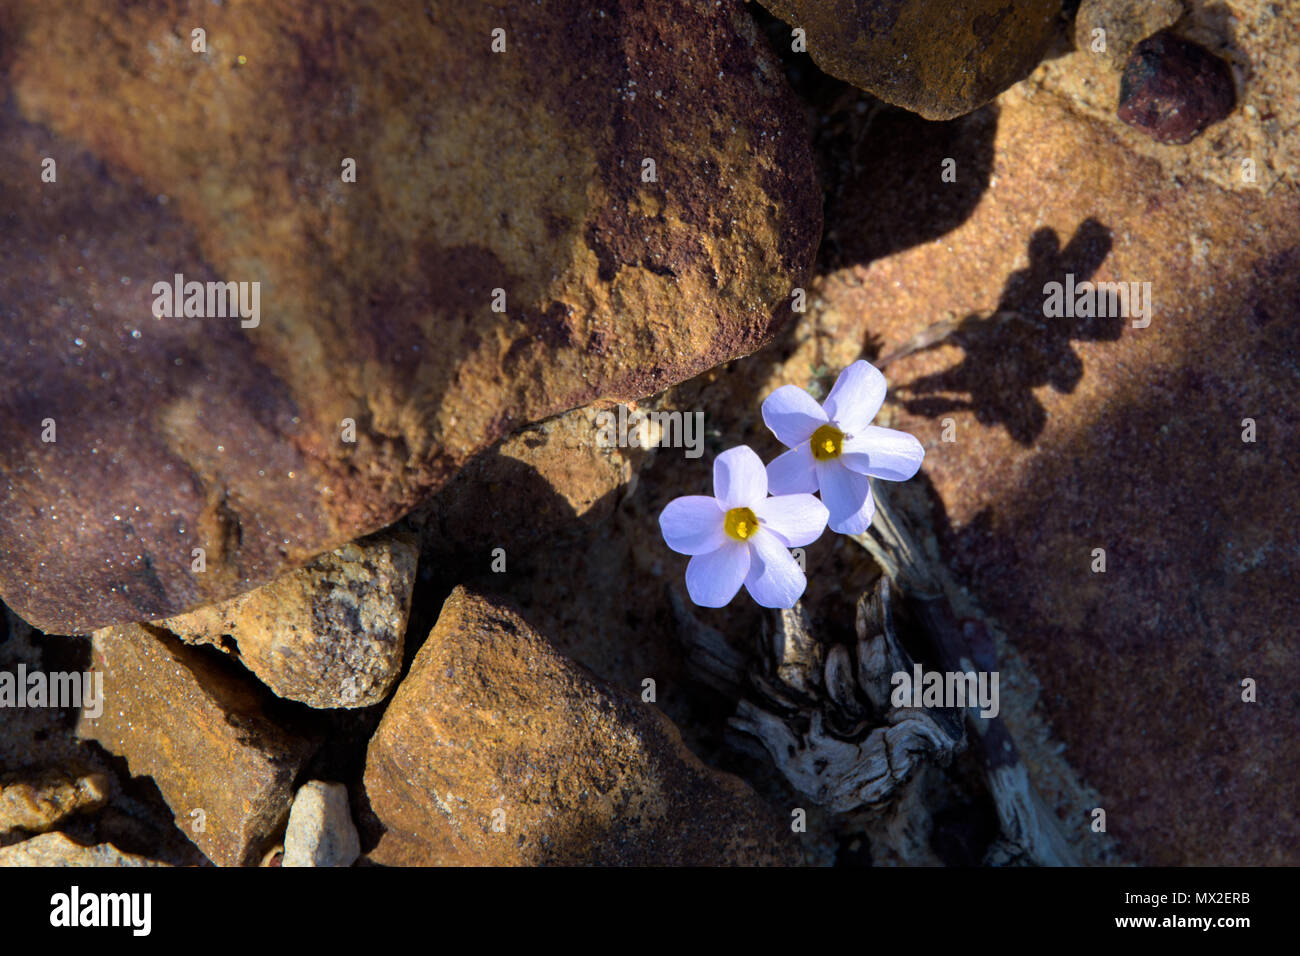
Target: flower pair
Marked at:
742, 535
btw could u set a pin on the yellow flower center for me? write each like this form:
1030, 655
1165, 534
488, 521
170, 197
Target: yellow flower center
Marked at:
827, 443
740, 523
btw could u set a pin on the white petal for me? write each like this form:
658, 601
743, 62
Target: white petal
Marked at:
847, 496
792, 415
713, 579
739, 478
774, 578
795, 519
883, 453
693, 525
857, 396
792, 472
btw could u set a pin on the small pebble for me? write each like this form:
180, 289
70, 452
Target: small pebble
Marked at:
1173, 89
321, 831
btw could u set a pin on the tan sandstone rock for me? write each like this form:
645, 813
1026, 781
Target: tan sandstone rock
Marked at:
320, 830
497, 750
1113, 27
328, 634
199, 730
37, 802
55, 849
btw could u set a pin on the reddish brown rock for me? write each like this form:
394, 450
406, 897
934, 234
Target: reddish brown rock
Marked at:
1173, 89
1074, 433
497, 750
200, 732
524, 171
939, 58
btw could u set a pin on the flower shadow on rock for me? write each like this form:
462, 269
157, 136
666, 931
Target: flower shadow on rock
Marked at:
1018, 348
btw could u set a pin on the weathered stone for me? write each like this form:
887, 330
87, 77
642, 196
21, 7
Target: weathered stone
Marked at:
498, 750
1067, 434
1173, 89
36, 802
175, 714
527, 171
1255, 149
1122, 25
545, 477
321, 831
329, 634
939, 58
55, 849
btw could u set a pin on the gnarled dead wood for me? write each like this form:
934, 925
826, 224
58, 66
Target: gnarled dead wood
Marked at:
1029, 834
822, 712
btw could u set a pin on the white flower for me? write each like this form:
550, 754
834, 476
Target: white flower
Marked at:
834, 446
742, 536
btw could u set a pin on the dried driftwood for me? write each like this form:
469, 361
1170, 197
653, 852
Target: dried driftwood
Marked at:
1029, 833
822, 711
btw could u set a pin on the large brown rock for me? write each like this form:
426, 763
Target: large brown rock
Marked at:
1069, 434
939, 58
224, 768
498, 750
523, 171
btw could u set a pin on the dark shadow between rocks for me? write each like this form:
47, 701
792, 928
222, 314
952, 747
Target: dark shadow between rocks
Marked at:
881, 167
901, 180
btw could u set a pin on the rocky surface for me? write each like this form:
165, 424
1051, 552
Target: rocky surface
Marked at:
200, 731
1112, 28
55, 849
320, 830
939, 58
498, 750
617, 277
36, 803
1075, 433
520, 734
1256, 149
328, 634
1173, 89
536, 481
